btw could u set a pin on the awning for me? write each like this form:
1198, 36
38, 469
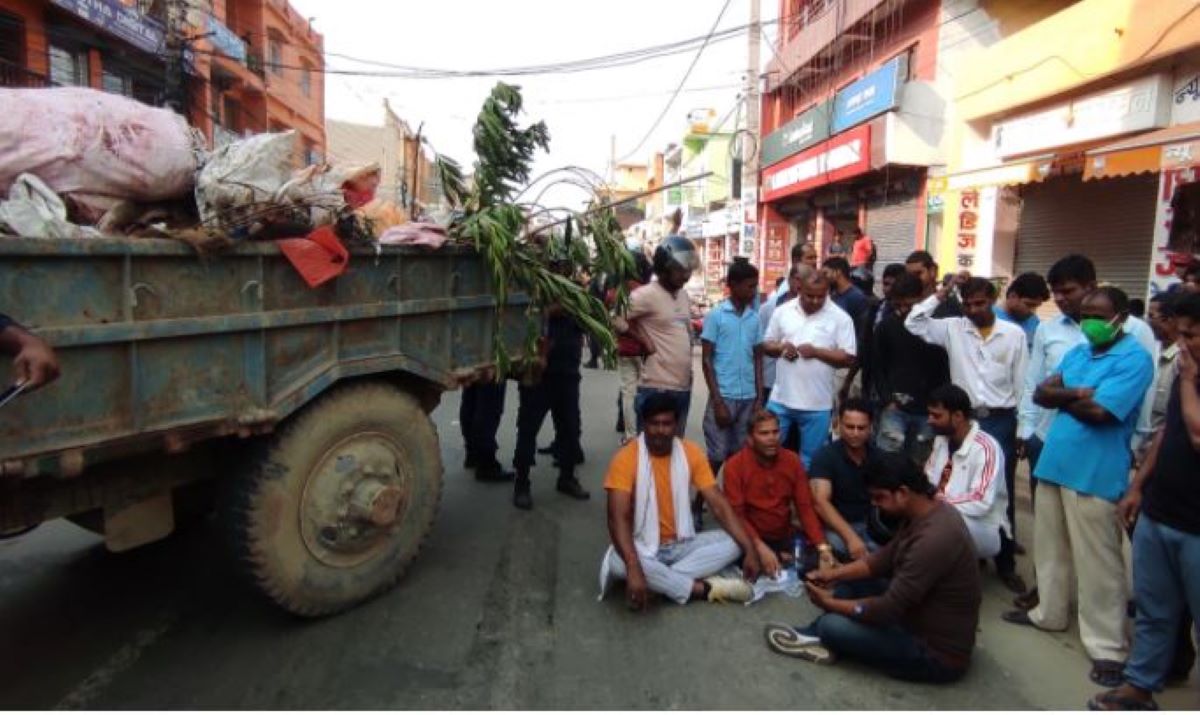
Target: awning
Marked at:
1150, 152
1010, 174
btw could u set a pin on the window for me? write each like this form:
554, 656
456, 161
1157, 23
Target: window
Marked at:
116, 84
275, 54
68, 67
12, 39
306, 79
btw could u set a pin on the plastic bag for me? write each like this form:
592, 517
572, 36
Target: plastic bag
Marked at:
249, 190
95, 148
33, 210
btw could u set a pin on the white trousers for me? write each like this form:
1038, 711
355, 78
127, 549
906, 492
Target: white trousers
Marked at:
1080, 533
629, 369
986, 537
681, 563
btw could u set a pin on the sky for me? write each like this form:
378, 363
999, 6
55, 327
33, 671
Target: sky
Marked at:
583, 110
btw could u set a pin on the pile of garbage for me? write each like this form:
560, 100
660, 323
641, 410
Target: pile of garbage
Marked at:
111, 166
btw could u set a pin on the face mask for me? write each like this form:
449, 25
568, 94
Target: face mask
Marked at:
1099, 332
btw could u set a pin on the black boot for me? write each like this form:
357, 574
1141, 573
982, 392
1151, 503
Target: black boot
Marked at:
569, 485
492, 473
522, 499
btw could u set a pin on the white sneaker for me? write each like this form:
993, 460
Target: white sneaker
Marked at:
728, 590
786, 640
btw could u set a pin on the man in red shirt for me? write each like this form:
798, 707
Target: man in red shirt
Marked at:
763, 483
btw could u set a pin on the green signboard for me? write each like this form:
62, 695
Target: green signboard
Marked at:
797, 135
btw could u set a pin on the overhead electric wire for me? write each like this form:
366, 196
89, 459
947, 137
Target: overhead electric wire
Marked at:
678, 89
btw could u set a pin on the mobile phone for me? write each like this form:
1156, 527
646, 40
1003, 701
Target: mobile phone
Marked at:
12, 393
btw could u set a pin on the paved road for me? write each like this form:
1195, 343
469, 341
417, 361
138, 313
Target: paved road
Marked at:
500, 611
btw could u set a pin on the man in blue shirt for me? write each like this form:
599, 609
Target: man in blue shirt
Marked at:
1083, 472
1024, 296
732, 360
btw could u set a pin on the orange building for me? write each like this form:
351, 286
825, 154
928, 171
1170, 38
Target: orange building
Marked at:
246, 66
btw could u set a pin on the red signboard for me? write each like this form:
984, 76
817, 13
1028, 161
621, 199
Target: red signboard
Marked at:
846, 155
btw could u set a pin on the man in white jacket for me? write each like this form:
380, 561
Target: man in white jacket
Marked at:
967, 467
655, 546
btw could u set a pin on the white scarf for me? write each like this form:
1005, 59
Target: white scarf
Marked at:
646, 534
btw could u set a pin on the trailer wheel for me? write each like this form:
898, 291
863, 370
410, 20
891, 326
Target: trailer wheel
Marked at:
339, 501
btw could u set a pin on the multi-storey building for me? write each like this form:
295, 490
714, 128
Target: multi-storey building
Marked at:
852, 121
241, 66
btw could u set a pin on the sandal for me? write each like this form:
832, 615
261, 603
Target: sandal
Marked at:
1107, 673
1112, 701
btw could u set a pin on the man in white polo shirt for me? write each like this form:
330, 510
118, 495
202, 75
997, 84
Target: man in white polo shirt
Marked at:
814, 338
988, 358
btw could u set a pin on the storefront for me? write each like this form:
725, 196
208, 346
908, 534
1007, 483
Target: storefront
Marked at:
1072, 184
857, 161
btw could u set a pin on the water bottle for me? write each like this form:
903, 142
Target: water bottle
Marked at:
798, 556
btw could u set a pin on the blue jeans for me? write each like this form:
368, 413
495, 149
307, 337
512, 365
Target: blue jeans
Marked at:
682, 398
891, 649
1166, 582
904, 432
1033, 452
1003, 427
838, 544
813, 426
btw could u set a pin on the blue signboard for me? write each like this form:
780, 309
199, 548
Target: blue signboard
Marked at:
223, 39
144, 33
870, 96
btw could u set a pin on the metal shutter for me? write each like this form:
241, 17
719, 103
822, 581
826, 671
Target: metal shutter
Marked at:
1110, 220
892, 225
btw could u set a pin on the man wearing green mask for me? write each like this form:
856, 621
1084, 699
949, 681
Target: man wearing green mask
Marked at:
1084, 471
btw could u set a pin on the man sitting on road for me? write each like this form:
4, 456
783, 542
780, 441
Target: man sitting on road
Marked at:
839, 482
764, 484
967, 467
922, 627
654, 544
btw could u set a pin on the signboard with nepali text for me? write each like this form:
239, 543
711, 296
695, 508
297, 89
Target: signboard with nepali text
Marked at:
870, 96
127, 23
806, 129
839, 158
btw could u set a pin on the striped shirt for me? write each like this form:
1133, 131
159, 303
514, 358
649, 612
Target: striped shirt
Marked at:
971, 479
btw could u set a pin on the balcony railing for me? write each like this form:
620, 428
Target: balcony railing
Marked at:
14, 75
816, 30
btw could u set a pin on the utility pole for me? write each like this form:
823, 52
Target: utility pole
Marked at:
752, 140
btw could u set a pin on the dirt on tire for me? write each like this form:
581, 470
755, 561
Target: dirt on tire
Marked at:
266, 513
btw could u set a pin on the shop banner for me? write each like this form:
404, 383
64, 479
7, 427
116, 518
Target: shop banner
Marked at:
141, 31
839, 158
1132, 107
1165, 256
870, 96
797, 135
225, 41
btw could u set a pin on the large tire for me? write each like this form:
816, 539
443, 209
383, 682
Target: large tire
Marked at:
337, 503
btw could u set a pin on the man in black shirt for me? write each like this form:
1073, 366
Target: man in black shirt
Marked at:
1166, 540
839, 484
555, 391
905, 370
922, 265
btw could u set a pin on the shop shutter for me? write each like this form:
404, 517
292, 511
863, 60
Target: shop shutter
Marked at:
892, 225
1110, 220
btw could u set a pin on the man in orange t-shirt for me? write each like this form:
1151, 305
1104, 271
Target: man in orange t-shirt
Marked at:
763, 484
654, 545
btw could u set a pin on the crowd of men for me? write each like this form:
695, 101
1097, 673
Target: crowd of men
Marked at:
870, 446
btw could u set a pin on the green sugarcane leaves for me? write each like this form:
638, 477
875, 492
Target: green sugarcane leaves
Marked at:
497, 228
